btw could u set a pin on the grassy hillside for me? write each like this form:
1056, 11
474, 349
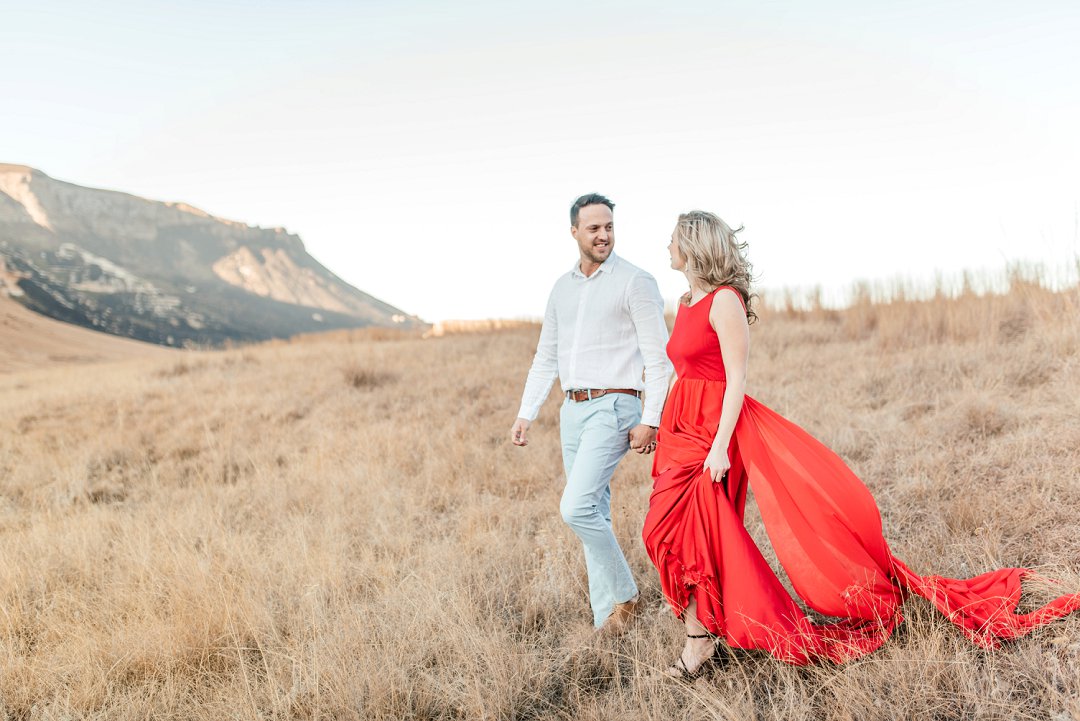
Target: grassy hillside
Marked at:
339, 527
29, 340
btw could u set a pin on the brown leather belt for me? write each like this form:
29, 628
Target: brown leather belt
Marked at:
587, 394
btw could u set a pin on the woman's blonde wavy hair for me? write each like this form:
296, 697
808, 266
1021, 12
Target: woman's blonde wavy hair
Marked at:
714, 256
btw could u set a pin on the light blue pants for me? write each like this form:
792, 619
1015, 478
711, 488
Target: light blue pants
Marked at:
594, 440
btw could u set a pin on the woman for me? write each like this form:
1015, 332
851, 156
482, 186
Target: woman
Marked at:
823, 523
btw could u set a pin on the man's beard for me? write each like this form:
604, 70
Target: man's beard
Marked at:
591, 254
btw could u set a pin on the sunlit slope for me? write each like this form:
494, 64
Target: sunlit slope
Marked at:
29, 340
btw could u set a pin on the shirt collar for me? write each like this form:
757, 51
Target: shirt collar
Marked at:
608, 266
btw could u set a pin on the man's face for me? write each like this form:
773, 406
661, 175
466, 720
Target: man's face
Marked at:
595, 232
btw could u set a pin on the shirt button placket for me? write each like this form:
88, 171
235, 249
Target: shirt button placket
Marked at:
583, 301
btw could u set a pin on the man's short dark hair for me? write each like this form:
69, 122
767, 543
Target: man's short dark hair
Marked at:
590, 199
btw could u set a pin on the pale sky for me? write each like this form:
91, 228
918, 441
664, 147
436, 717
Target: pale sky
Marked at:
427, 152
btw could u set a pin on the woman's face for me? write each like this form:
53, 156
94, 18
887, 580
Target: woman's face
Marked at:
678, 262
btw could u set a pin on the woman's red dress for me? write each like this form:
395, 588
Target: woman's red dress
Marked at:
823, 523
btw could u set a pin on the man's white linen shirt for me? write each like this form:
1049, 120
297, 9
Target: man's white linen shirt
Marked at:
602, 331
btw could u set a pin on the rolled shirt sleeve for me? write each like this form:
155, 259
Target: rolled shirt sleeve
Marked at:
647, 314
545, 365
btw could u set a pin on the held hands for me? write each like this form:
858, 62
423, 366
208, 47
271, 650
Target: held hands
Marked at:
642, 439
519, 432
717, 463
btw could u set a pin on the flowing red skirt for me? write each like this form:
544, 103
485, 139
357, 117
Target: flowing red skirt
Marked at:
825, 528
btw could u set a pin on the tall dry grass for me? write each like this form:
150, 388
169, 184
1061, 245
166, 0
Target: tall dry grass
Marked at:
339, 528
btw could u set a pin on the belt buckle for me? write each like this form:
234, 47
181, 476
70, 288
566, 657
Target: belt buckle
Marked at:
575, 393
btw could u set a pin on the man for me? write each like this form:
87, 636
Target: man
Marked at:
603, 331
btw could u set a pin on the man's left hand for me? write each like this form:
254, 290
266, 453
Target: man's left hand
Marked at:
643, 438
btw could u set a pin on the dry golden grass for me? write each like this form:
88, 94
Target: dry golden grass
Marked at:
339, 528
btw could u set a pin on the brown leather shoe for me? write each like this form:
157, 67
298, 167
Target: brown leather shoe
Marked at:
621, 617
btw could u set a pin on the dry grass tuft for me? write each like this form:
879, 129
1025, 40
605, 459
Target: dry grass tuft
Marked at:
242, 535
180, 368
366, 378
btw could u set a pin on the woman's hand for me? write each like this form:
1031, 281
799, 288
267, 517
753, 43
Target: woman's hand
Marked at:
717, 463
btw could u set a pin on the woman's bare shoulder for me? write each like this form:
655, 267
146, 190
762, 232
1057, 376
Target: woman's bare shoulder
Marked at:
727, 305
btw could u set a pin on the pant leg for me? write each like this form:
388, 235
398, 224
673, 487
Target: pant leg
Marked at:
594, 441
569, 434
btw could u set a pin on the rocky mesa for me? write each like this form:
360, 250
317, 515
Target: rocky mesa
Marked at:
164, 272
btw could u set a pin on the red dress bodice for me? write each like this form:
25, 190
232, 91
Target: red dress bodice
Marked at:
693, 348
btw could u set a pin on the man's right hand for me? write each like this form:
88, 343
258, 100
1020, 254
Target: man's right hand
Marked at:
519, 432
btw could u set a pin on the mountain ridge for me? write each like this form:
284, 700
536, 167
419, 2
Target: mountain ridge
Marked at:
165, 272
